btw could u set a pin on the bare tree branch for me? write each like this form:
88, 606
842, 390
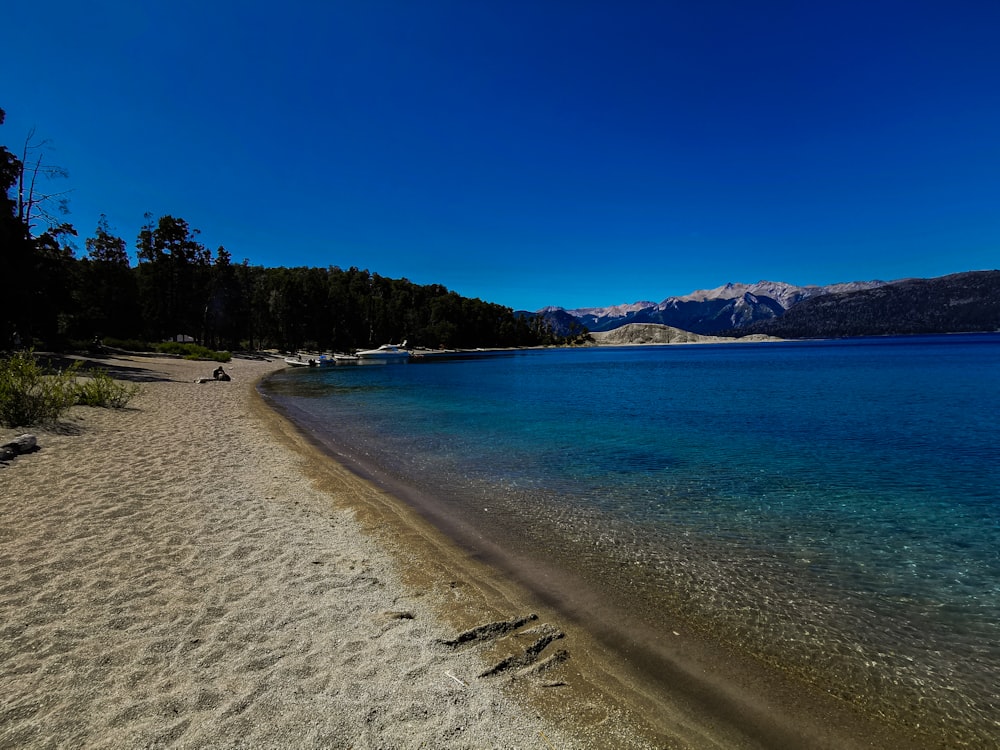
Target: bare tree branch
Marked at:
35, 203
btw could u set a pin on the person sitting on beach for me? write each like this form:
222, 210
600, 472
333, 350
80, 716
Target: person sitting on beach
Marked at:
220, 374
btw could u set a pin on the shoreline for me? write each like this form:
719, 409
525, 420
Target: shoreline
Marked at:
720, 695
177, 575
196, 570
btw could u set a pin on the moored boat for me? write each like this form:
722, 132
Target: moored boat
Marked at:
322, 360
386, 352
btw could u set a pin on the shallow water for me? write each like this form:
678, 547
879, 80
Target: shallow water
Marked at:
830, 507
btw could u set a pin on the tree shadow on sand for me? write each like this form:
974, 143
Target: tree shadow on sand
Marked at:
96, 362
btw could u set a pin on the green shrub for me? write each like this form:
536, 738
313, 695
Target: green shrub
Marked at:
30, 394
102, 390
192, 351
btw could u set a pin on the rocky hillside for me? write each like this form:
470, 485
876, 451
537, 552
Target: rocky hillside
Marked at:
652, 333
707, 311
962, 302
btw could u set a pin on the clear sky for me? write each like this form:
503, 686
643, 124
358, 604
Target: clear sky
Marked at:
530, 152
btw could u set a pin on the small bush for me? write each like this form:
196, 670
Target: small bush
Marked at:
192, 351
30, 394
102, 390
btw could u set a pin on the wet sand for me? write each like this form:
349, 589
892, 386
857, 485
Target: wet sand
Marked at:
193, 572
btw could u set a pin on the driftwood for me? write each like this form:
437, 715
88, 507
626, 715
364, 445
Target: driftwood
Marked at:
530, 655
17, 446
489, 631
528, 662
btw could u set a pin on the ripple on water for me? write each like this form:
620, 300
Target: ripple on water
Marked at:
830, 508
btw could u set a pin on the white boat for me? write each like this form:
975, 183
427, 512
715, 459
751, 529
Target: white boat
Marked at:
386, 351
322, 360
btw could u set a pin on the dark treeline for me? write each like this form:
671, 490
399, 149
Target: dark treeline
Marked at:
179, 287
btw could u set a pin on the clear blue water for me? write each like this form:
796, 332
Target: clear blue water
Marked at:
833, 507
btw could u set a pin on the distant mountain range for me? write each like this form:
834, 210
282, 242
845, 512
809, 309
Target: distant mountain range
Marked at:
654, 333
707, 311
959, 302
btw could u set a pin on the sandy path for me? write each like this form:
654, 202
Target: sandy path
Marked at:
172, 578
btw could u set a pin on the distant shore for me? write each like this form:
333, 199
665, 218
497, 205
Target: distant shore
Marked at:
193, 571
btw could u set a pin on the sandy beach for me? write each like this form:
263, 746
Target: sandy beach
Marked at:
188, 572
192, 572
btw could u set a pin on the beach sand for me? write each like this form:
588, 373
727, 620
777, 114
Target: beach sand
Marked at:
189, 572
192, 571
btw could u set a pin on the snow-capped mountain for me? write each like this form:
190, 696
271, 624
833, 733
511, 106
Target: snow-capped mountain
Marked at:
707, 311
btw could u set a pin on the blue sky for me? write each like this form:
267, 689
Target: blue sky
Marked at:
570, 153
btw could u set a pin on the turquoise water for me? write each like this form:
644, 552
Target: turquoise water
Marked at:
833, 507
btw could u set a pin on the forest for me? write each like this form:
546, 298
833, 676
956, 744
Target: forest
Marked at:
958, 303
179, 288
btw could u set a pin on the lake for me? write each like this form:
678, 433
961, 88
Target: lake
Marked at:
829, 507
